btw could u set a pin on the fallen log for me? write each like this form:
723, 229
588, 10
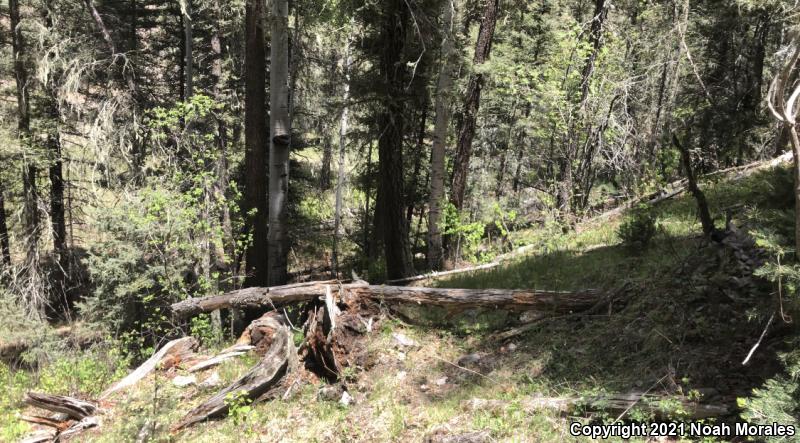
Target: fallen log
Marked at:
432, 275
170, 355
262, 378
256, 297
659, 406
512, 299
44, 421
72, 407
79, 337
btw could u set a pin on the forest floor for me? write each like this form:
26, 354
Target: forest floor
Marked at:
684, 315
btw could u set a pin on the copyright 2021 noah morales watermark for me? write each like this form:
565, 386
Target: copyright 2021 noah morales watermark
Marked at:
676, 429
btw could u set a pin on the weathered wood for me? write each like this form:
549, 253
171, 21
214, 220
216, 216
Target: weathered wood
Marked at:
660, 406
433, 275
172, 353
219, 358
512, 299
11, 351
254, 297
44, 421
267, 374
73, 407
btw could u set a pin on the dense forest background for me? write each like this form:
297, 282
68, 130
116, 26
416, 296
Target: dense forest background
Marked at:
156, 150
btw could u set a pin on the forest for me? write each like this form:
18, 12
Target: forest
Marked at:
401, 220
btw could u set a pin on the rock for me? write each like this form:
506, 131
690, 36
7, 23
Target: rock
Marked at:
346, 399
182, 381
330, 393
402, 340
469, 359
401, 375
212, 381
440, 381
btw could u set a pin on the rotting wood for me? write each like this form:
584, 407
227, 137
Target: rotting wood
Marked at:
170, 355
432, 275
11, 351
254, 297
267, 374
44, 421
512, 299
72, 407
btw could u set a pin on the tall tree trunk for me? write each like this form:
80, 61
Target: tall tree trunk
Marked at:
568, 178
340, 176
188, 50
392, 70
441, 124
29, 171
413, 193
483, 48
221, 136
280, 136
255, 135
57, 216
327, 158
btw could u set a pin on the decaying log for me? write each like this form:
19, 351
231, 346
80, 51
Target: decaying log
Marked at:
433, 275
82, 425
660, 406
512, 299
72, 407
251, 298
44, 421
266, 375
170, 355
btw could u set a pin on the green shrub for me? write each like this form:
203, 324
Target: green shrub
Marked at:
639, 228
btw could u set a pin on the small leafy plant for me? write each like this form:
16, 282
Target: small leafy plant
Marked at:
639, 228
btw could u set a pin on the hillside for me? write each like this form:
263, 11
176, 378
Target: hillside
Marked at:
684, 312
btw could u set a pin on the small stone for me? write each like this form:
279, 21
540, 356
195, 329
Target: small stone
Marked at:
346, 399
424, 388
403, 340
401, 375
182, 381
401, 356
329, 393
469, 359
511, 347
212, 381
440, 381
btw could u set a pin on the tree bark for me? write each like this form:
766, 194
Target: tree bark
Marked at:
442, 107
340, 176
391, 123
453, 299
280, 133
255, 133
472, 100
57, 216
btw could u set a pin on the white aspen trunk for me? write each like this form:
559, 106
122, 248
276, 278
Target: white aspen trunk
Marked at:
188, 48
442, 107
340, 177
280, 136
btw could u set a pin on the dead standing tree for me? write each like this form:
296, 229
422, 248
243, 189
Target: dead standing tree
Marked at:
785, 84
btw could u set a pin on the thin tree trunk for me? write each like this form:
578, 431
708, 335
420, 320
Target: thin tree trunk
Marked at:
390, 145
255, 134
413, 193
223, 174
441, 124
57, 217
327, 157
483, 48
280, 136
340, 177
188, 49
702, 204
5, 247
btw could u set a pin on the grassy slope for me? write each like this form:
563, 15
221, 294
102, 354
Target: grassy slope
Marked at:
674, 326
